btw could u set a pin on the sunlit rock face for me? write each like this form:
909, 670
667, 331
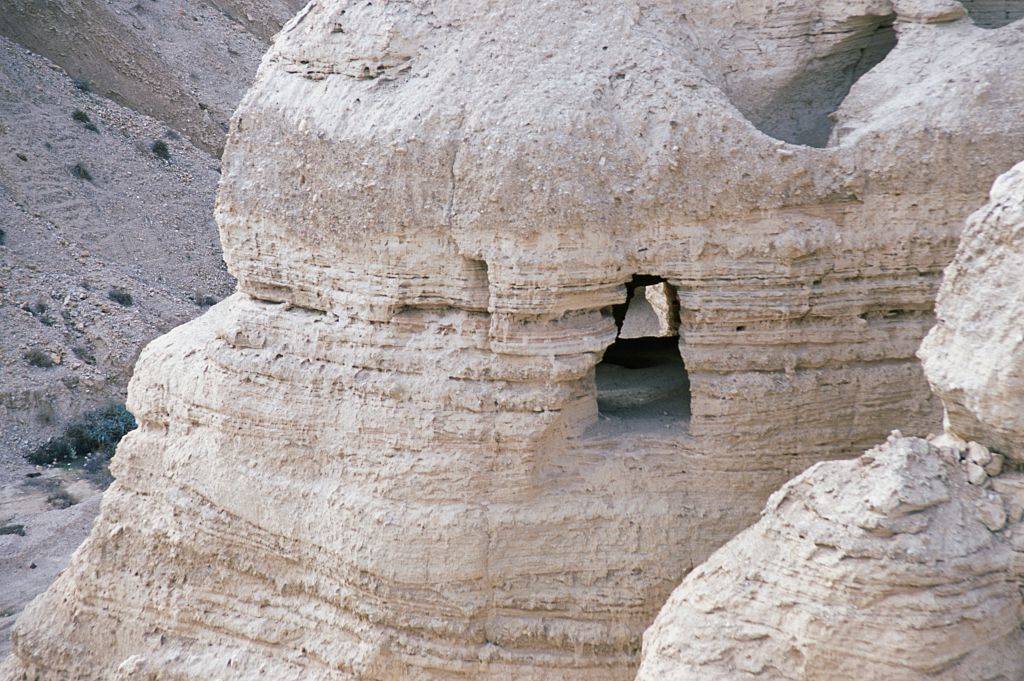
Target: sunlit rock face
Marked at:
898, 566
974, 357
904, 564
396, 453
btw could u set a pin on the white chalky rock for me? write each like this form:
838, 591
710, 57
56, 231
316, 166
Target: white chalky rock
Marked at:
973, 356
976, 475
898, 567
887, 568
995, 466
978, 454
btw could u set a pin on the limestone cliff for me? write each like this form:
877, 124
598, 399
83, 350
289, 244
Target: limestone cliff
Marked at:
906, 563
891, 567
396, 452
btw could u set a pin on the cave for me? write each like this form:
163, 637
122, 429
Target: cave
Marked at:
642, 380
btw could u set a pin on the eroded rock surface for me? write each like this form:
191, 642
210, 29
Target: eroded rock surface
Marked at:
899, 565
974, 357
904, 564
384, 457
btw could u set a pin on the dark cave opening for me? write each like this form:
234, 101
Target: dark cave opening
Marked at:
642, 380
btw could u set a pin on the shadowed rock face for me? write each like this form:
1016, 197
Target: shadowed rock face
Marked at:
994, 13
383, 457
973, 356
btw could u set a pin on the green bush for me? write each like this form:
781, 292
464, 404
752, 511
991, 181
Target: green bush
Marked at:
81, 172
96, 433
38, 358
120, 296
83, 118
160, 149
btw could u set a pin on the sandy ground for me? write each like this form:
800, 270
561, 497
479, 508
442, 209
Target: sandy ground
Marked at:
45, 519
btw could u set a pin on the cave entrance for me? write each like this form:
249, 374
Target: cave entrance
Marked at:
642, 380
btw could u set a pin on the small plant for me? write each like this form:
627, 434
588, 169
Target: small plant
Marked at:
3, 237
160, 150
84, 119
120, 296
80, 171
39, 358
83, 353
82, 84
13, 529
204, 300
96, 433
59, 498
21, 156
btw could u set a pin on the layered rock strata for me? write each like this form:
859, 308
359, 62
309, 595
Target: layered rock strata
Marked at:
907, 563
383, 457
901, 565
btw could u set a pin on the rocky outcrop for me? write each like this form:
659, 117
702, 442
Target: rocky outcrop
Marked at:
974, 356
385, 457
904, 564
900, 565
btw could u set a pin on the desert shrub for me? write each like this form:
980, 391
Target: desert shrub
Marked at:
38, 310
38, 358
81, 172
159, 148
3, 237
83, 118
94, 436
82, 84
120, 296
13, 529
59, 498
83, 353
204, 300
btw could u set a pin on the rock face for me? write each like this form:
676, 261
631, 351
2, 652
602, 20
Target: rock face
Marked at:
386, 456
974, 356
904, 564
893, 566
994, 13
